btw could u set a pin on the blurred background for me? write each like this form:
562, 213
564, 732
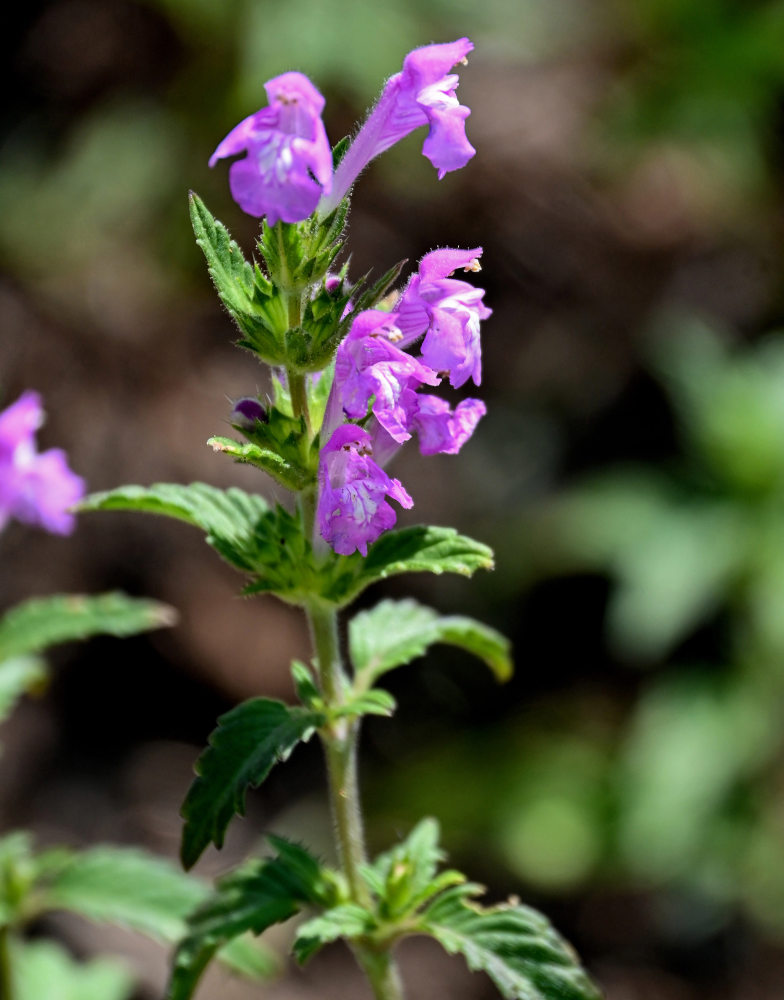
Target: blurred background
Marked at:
628, 191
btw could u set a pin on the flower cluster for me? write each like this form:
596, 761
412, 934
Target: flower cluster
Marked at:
376, 402
376, 380
287, 170
36, 488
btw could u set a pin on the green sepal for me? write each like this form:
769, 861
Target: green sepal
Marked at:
253, 898
298, 255
248, 741
43, 969
285, 438
339, 150
36, 624
256, 306
396, 632
373, 297
515, 945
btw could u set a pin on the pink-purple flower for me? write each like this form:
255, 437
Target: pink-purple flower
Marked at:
36, 488
423, 93
369, 366
288, 161
448, 312
352, 506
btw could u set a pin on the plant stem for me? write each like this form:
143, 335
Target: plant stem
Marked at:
6, 974
340, 748
299, 397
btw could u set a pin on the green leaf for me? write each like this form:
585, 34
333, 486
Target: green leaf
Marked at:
252, 898
249, 740
230, 517
349, 920
419, 549
395, 632
516, 946
19, 675
247, 294
42, 969
128, 887
274, 464
42, 622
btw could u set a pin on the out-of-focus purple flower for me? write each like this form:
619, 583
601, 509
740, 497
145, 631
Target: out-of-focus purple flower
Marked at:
423, 93
448, 311
34, 488
369, 365
288, 165
352, 508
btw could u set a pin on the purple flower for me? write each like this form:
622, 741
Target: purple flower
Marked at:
34, 488
288, 165
448, 312
442, 430
369, 366
352, 509
423, 93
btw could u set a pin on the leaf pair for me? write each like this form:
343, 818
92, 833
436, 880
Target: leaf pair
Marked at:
516, 946
269, 544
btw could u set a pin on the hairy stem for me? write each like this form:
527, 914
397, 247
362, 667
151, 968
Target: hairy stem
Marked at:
340, 748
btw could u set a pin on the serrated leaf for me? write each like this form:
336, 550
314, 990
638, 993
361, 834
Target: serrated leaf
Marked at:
516, 946
288, 475
19, 675
42, 622
396, 632
249, 740
349, 920
244, 290
230, 518
42, 970
253, 898
419, 549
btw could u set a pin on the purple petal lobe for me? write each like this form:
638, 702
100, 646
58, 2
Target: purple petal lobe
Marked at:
448, 311
288, 161
369, 366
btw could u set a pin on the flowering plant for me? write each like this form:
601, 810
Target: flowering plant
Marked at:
349, 361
